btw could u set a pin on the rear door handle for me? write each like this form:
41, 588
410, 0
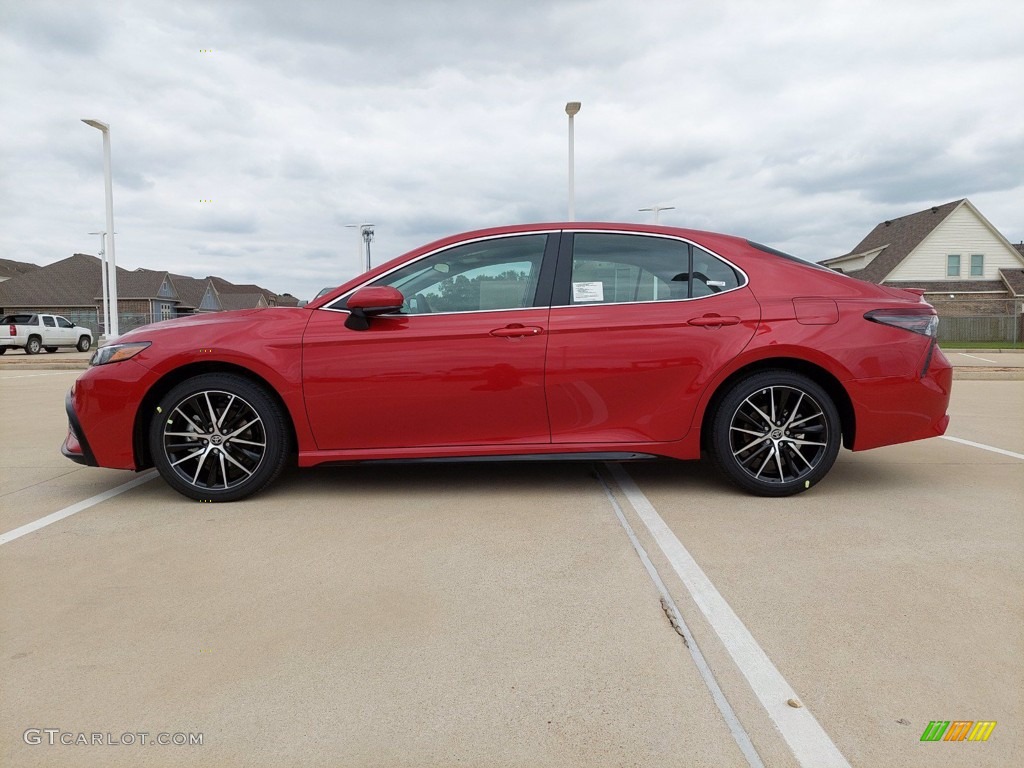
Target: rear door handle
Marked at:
714, 321
515, 330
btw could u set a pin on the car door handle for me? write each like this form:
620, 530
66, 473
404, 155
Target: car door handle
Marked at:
516, 330
714, 321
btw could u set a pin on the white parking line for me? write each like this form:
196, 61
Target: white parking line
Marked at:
42, 522
739, 733
984, 447
808, 741
33, 375
976, 357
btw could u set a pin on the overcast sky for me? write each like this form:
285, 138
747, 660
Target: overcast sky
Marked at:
800, 124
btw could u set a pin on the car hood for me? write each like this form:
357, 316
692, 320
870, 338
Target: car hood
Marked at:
206, 320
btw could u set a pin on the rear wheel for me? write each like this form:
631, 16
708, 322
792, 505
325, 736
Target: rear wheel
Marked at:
775, 433
3, 350
33, 346
219, 437
83, 344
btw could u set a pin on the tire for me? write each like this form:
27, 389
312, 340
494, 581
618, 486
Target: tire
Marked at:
3, 350
84, 344
33, 345
50, 350
219, 437
752, 446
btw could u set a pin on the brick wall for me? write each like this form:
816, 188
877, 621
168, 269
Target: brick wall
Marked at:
970, 306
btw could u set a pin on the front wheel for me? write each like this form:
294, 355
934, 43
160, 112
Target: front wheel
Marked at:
219, 437
775, 433
84, 343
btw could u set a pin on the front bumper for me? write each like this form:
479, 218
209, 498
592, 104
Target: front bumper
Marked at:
75, 446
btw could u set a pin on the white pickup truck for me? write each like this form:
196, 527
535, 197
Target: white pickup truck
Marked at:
33, 332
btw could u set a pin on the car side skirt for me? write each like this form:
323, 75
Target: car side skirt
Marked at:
681, 449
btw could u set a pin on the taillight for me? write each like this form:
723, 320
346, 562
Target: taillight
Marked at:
14, 331
923, 321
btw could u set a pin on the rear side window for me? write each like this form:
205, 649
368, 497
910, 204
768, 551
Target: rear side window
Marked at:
710, 275
19, 320
49, 322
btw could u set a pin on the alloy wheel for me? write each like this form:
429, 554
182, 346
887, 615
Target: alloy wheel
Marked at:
214, 440
778, 434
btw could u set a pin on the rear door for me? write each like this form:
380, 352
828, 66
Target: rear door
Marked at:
50, 333
66, 331
639, 324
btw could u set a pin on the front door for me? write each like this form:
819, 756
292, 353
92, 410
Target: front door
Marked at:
462, 364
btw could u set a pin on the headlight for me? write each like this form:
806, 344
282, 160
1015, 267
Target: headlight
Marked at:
115, 353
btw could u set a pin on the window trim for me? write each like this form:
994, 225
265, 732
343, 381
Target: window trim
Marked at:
545, 278
959, 265
970, 268
563, 274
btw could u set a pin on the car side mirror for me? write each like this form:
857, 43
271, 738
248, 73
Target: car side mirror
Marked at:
372, 301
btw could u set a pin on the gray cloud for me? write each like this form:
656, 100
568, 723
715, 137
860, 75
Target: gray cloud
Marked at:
798, 125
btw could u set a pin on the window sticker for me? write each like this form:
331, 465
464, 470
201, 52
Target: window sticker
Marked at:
582, 292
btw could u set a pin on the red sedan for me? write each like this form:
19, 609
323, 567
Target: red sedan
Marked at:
593, 341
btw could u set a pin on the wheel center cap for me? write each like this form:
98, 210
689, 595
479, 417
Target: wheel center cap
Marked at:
776, 434
216, 439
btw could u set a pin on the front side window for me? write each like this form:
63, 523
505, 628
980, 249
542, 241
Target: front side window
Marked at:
977, 265
953, 265
474, 277
612, 268
64, 323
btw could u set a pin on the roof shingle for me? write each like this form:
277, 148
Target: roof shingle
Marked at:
899, 237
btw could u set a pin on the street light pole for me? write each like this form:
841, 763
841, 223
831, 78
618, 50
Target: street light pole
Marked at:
571, 108
111, 263
658, 209
365, 232
103, 280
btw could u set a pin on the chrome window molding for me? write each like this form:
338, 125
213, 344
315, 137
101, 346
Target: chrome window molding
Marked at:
331, 308
743, 283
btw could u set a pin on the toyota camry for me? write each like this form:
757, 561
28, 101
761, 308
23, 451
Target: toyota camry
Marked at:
587, 341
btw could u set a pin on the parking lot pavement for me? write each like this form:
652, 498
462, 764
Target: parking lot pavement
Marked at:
892, 593
498, 615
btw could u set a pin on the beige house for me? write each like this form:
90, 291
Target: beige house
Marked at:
964, 264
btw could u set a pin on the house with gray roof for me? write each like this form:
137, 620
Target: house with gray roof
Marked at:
10, 268
71, 287
965, 266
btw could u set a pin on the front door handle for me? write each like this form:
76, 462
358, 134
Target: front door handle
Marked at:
714, 321
515, 330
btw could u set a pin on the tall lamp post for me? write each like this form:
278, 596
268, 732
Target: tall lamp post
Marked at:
571, 108
366, 233
111, 262
658, 209
103, 279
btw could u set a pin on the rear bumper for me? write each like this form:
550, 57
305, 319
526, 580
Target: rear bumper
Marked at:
900, 409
